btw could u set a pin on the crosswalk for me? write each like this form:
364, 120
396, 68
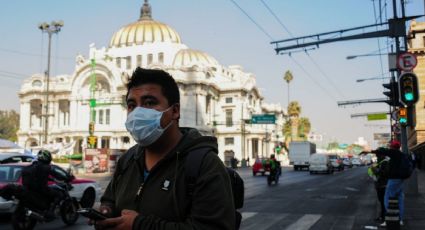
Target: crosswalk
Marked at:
290, 221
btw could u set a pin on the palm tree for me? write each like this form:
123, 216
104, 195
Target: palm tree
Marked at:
288, 77
304, 128
294, 111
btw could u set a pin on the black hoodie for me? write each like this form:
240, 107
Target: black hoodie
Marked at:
164, 202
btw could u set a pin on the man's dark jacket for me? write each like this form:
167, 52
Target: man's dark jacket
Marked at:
394, 165
164, 202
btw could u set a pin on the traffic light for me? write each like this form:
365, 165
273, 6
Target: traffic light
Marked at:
91, 128
392, 94
408, 87
402, 116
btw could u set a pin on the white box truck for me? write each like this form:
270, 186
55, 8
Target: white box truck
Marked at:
299, 154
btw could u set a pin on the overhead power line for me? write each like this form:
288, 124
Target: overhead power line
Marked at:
30, 54
315, 82
310, 58
252, 20
277, 19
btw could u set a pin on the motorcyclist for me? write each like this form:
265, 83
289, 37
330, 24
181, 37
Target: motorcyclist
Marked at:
35, 178
274, 167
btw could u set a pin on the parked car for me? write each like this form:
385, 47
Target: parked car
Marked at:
84, 190
356, 161
320, 163
347, 162
259, 167
12, 157
336, 162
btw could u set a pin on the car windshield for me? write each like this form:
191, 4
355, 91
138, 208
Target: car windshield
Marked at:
10, 173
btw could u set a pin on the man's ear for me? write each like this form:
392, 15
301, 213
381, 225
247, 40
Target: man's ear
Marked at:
176, 111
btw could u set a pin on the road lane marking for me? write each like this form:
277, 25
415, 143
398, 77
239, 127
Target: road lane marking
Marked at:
352, 189
305, 222
246, 215
262, 221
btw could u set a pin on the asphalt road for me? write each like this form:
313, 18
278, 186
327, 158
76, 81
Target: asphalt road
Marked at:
344, 200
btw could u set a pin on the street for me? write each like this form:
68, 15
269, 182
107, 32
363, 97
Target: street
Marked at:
344, 200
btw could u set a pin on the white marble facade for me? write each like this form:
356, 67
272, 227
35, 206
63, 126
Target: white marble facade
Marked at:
214, 98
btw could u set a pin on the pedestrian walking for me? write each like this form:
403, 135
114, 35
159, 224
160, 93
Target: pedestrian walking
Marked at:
380, 171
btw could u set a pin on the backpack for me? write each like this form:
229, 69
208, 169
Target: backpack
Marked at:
406, 166
192, 166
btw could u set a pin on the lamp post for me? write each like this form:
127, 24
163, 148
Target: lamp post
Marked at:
53, 28
372, 78
364, 55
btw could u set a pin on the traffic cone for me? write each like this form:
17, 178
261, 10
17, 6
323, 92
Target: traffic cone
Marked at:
392, 214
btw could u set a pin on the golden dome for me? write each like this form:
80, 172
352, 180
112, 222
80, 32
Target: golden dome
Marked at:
190, 57
145, 30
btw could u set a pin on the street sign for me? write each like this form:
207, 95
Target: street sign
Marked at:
381, 136
406, 61
263, 119
376, 116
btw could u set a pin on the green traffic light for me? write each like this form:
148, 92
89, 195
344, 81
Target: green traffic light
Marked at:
408, 96
403, 120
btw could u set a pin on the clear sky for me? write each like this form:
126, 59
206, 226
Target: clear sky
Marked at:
322, 77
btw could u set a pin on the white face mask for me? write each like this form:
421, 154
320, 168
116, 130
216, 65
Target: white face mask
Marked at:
144, 125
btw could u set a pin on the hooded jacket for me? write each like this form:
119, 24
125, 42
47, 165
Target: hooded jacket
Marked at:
394, 165
163, 201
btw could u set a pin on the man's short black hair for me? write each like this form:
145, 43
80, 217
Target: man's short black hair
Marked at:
168, 85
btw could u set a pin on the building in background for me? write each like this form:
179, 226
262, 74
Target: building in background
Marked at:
215, 99
416, 136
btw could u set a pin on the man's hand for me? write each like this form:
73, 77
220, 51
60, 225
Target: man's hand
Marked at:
124, 222
105, 210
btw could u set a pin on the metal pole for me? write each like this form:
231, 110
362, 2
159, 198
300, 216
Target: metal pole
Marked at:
46, 116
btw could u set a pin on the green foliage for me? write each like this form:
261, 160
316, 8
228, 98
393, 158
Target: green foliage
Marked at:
9, 125
304, 128
294, 109
333, 145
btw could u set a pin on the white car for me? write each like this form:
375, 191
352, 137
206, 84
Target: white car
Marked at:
84, 190
356, 161
320, 163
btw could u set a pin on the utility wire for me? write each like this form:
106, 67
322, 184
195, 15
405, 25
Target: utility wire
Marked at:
379, 42
30, 54
13, 74
309, 76
311, 59
274, 15
326, 76
252, 20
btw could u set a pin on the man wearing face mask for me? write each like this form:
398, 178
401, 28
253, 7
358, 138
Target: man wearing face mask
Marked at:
149, 188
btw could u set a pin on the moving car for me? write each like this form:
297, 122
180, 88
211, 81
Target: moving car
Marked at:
13, 157
84, 190
259, 167
347, 162
356, 161
320, 163
336, 162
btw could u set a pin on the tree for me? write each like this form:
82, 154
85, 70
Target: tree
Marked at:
304, 128
9, 125
296, 128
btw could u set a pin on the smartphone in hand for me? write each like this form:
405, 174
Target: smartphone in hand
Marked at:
91, 213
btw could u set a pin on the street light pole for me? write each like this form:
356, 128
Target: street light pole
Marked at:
52, 28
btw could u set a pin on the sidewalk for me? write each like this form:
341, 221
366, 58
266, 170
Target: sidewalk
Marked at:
415, 206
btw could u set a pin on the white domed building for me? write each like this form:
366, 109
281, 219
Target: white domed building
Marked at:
215, 99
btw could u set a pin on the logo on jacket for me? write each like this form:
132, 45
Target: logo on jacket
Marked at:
166, 185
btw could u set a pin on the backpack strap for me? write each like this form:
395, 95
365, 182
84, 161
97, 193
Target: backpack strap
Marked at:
192, 167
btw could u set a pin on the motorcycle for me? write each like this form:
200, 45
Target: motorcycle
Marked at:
274, 174
32, 209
